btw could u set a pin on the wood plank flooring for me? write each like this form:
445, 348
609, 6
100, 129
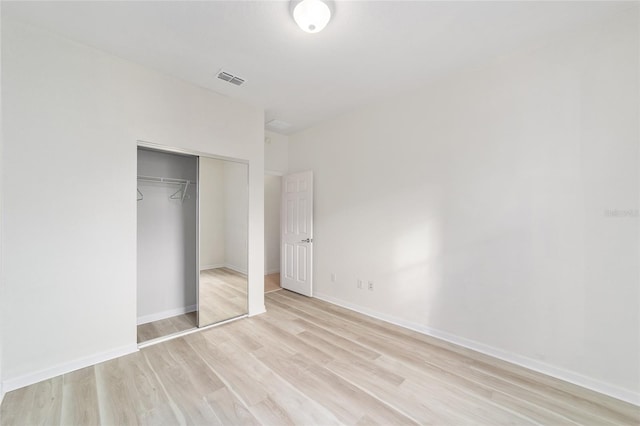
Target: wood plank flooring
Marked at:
222, 295
306, 362
272, 282
164, 327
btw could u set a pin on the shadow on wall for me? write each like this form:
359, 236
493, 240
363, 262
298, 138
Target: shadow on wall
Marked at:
189, 236
454, 272
272, 201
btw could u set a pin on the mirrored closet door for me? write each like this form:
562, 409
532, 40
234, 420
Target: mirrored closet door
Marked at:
223, 240
191, 242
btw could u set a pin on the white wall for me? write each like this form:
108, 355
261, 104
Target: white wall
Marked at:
478, 207
166, 238
272, 194
224, 193
72, 116
211, 192
276, 152
1, 220
235, 215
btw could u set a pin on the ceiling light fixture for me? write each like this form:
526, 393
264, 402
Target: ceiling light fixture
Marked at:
311, 15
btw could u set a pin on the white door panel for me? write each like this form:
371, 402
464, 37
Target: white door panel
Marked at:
297, 232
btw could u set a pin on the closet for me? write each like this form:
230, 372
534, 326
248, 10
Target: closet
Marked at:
191, 241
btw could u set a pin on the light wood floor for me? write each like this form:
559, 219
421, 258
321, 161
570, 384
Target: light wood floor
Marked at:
165, 327
272, 282
307, 362
214, 280
222, 295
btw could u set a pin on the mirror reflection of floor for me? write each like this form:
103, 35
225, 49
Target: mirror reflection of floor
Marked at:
222, 295
164, 327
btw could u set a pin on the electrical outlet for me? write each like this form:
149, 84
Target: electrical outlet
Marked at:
371, 285
359, 283
333, 278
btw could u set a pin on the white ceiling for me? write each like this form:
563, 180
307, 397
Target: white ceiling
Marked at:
369, 50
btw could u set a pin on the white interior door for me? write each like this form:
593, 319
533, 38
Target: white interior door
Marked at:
297, 233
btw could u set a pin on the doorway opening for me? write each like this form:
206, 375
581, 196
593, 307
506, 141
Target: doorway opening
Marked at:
272, 202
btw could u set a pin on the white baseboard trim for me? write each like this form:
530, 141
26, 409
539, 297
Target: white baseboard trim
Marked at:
228, 266
166, 314
236, 268
67, 367
214, 266
523, 361
272, 271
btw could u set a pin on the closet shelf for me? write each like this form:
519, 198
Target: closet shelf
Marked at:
166, 180
180, 194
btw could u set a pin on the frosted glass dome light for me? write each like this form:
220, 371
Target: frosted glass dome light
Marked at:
312, 15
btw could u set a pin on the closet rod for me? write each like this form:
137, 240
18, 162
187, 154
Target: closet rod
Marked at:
166, 180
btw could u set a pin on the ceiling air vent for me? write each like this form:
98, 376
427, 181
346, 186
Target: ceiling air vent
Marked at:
230, 78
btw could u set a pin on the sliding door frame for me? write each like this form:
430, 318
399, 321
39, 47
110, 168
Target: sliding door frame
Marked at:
198, 154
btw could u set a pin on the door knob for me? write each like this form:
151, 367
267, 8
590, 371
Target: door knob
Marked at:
308, 240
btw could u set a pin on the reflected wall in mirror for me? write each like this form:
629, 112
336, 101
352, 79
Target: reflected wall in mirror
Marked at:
223, 216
